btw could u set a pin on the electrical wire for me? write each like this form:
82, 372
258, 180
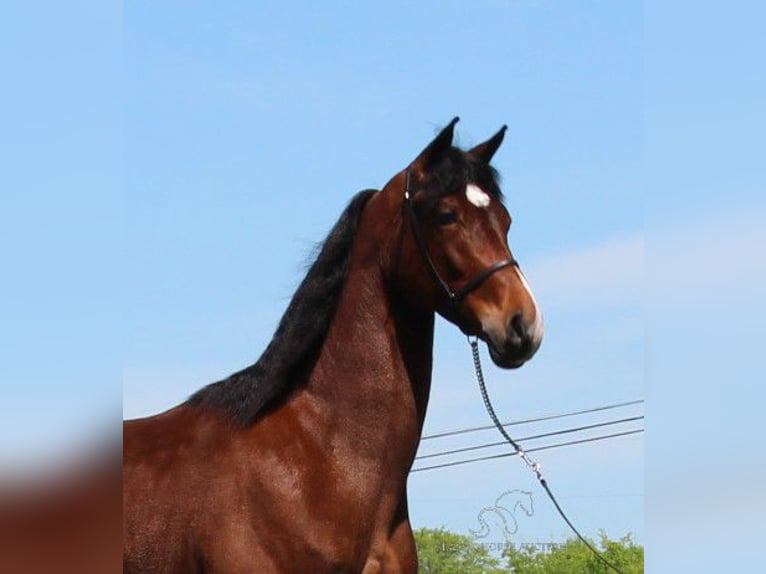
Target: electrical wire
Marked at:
532, 420
545, 447
531, 437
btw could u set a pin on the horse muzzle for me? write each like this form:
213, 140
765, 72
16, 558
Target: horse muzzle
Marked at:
513, 346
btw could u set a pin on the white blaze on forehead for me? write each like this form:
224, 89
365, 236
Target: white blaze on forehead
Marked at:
476, 195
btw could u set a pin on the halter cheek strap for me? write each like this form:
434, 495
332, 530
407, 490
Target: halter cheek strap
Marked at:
454, 296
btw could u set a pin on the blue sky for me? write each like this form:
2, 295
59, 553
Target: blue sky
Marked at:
248, 128
157, 158
706, 274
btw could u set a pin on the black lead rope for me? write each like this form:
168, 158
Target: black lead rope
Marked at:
534, 466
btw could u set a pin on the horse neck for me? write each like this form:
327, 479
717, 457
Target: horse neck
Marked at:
374, 371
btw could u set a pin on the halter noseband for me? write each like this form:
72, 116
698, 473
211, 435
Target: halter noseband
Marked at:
454, 296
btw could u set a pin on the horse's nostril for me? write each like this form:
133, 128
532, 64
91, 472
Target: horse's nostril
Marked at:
517, 326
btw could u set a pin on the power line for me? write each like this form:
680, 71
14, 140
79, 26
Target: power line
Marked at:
531, 437
546, 447
532, 420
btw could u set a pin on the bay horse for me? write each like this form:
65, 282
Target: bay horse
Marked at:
299, 463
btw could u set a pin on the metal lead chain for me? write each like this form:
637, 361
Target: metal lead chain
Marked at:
531, 463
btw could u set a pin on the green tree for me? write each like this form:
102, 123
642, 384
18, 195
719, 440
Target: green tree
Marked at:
444, 552
573, 557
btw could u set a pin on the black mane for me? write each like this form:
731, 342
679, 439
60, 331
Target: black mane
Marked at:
245, 395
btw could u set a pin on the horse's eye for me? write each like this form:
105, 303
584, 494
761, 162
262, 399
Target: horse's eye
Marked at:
446, 217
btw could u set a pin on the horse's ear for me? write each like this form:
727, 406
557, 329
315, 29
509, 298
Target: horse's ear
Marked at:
433, 151
485, 151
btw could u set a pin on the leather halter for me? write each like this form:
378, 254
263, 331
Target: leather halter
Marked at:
454, 296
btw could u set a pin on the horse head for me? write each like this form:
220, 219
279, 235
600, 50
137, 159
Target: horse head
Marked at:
454, 257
